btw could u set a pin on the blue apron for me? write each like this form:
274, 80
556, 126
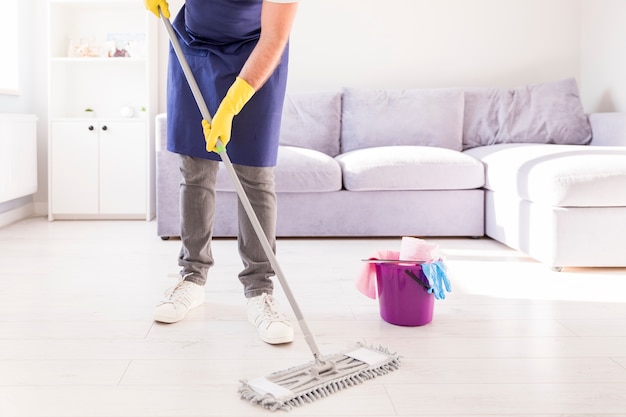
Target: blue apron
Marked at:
217, 37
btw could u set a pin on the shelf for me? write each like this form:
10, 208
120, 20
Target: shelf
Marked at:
95, 3
103, 86
116, 119
95, 26
111, 60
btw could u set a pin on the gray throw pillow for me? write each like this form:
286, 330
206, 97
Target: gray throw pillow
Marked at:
417, 117
538, 113
312, 120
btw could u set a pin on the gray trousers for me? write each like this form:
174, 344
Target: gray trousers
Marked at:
197, 208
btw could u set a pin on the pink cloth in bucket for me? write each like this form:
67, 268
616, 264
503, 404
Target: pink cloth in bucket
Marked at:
415, 249
366, 281
411, 249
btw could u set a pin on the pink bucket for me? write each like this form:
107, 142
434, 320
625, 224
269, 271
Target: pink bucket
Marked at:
402, 300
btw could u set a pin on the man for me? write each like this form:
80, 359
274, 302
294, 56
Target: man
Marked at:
238, 52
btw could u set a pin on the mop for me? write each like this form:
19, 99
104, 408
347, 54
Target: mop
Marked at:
324, 375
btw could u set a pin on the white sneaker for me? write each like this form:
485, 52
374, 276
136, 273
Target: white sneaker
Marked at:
178, 301
273, 327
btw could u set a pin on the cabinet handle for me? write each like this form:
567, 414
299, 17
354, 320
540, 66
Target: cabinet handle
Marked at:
90, 127
105, 127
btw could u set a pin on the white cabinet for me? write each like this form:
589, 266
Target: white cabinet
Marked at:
122, 168
98, 169
73, 169
101, 58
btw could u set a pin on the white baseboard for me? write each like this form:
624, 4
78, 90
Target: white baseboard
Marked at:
17, 214
41, 209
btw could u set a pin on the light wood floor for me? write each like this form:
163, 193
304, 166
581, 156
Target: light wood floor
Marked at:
512, 338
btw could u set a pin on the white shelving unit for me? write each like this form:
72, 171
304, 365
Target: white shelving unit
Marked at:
102, 57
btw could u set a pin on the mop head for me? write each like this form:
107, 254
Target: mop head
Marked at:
304, 384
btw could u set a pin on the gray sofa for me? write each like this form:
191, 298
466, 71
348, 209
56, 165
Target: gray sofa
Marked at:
525, 166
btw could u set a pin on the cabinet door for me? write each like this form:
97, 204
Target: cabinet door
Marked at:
74, 167
123, 167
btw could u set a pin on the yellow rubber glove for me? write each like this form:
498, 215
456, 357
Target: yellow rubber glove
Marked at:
237, 96
153, 6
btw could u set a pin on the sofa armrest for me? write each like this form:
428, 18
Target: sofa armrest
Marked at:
609, 129
160, 132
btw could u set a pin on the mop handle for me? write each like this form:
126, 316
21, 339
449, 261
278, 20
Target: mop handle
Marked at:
310, 339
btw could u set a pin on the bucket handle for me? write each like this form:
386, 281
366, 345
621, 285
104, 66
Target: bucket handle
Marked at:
417, 279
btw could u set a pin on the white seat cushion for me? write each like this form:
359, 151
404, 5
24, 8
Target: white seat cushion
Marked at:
298, 170
410, 168
557, 175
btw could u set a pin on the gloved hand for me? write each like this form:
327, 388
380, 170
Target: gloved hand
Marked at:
153, 6
237, 96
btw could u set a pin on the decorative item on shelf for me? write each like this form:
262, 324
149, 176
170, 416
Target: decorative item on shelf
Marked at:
126, 45
90, 113
127, 111
144, 112
119, 53
86, 47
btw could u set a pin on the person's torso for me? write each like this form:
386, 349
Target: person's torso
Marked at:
221, 22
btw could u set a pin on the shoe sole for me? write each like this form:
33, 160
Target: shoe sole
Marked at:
170, 320
277, 341
167, 320
274, 341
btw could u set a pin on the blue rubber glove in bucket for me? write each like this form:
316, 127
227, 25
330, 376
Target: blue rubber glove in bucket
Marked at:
436, 274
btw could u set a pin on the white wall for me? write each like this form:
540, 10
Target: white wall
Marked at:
432, 43
603, 55
428, 43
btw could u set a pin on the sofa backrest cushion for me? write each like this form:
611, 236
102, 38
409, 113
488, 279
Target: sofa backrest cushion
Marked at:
312, 120
609, 128
538, 113
419, 117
